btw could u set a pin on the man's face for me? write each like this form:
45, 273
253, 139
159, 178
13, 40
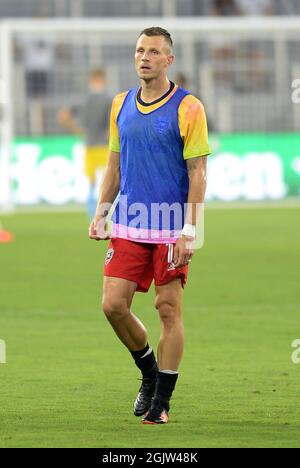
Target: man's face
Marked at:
153, 57
96, 82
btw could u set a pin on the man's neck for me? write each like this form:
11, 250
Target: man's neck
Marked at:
96, 89
154, 89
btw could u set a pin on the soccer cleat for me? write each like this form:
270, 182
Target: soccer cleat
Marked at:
144, 399
158, 413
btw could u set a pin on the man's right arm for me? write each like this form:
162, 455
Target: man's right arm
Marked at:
109, 190
66, 120
111, 182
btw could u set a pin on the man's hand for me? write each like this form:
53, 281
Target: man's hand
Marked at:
99, 229
63, 116
183, 251
65, 119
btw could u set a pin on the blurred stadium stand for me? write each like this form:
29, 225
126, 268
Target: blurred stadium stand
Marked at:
100, 8
243, 68
244, 79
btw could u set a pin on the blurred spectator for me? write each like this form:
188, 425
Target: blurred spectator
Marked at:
255, 7
91, 121
249, 72
251, 56
225, 8
38, 60
182, 80
223, 50
243, 7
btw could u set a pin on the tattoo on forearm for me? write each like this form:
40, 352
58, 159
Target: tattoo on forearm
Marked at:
192, 164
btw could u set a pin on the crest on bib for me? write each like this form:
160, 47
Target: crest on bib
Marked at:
109, 256
161, 125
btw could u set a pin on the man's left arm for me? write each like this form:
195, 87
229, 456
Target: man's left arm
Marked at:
193, 130
197, 168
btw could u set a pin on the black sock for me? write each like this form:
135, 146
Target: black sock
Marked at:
165, 386
146, 362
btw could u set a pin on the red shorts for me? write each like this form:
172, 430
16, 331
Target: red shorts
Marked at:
140, 262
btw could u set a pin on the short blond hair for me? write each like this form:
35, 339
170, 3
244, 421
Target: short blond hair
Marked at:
157, 31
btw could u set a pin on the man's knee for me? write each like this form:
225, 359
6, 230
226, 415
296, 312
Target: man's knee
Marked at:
169, 312
115, 309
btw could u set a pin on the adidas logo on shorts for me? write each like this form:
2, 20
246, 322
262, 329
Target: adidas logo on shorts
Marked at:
171, 266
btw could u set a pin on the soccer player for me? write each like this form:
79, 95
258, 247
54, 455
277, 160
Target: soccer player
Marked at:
93, 126
158, 155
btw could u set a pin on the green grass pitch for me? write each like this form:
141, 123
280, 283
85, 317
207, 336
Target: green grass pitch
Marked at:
68, 382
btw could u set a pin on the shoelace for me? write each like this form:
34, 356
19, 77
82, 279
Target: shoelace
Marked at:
147, 384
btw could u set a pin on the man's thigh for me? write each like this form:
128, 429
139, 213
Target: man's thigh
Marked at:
131, 261
118, 290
